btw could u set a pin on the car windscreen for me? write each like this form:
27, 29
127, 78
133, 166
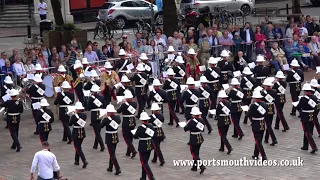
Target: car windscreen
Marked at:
107, 5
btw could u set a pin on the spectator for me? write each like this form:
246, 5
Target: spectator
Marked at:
78, 53
46, 162
291, 21
268, 55
263, 26
314, 47
278, 54
278, 31
290, 30
29, 67
96, 49
177, 42
163, 36
184, 46
63, 53
309, 25
139, 48
237, 41
200, 30
19, 70
161, 45
45, 51
239, 61
259, 37
91, 55
170, 42
248, 36
303, 32
7, 70
305, 51
204, 50
34, 57
104, 54
124, 40
53, 54
236, 29
74, 43
225, 41
15, 52
159, 5
215, 27
270, 33
3, 59
191, 35
153, 58
291, 50
109, 49
115, 49
129, 50
25, 55
230, 29
42, 8
192, 45
42, 61
313, 27
135, 41
145, 45
55, 62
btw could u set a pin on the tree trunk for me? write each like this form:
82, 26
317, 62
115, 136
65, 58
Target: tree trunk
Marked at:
56, 8
170, 18
296, 8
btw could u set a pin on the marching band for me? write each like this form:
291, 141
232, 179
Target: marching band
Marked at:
220, 92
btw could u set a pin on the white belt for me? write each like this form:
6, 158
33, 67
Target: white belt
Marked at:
64, 106
77, 127
95, 109
308, 111
123, 71
140, 86
195, 105
294, 82
36, 97
215, 81
178, 77
261, 77
195, 133
224, 72
43, 122
280, 94
239, 101
223, 115
203, 98
258, 119
269, 103
13, 114
169, 90
145, 139
128, 116
111, 132
248, 89
156, 127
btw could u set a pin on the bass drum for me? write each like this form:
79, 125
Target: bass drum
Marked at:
48, 82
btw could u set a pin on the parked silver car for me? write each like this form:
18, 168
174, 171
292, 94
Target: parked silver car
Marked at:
245, 6
128, 10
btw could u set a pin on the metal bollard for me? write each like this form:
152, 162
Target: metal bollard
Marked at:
29, 31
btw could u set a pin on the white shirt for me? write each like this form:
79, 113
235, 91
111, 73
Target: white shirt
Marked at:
160, 47
230, 35
47, 163
303, 31
42, 5
2, 62
248, 37
92, 57
315, 47
29, 68
19, 69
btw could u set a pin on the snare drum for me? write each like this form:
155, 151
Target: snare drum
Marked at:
48, 81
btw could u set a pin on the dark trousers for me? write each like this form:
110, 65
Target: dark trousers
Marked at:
34, 112
173, 116
248, 51
97, 132
142, 102
40, 178
79, 93
187, 113
78, 147
294, 98
146, 171
223, 132
66, 130
157, 150
246, 102
307, 136
107, 95
316, 121
280, 117
14, 132
43, 16
258, 136
269, 131
112, 153
237, 131
195, 152
179, 105
214, 96
44, 136
128, 138
204, 115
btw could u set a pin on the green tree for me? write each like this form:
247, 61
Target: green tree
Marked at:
170, 18
56, 8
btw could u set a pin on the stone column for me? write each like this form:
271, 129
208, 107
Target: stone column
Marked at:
68, 18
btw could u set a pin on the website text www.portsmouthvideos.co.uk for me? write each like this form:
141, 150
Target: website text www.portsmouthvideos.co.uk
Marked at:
240, 163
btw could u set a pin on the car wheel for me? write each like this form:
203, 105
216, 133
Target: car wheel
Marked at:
159, 19
121, 22
246, 9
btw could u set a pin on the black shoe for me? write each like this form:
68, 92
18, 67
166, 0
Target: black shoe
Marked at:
95, 147
235, 136
299, 116
6, 127
152, 178
90, 124
127, 154
284, 130
264, 159
176, 111
202, 168
221, 150
109, 169
314, 150
76, 163
36, 133
216, 118
319, 136
293, 114
303, 148
154, 161
85, 164
102, 149
162, 163
117, 172
64, 140
18, 149
240, 137
255, 157
266, 142
177, 126
13, 146
274, 143
143, 179
170, 123
277, 128
134, 153
194, 168
209, 131
229, 151
69, 142
188, 144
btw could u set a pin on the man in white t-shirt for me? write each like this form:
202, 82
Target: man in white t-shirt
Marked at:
42, 8
303, 32
47, 164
